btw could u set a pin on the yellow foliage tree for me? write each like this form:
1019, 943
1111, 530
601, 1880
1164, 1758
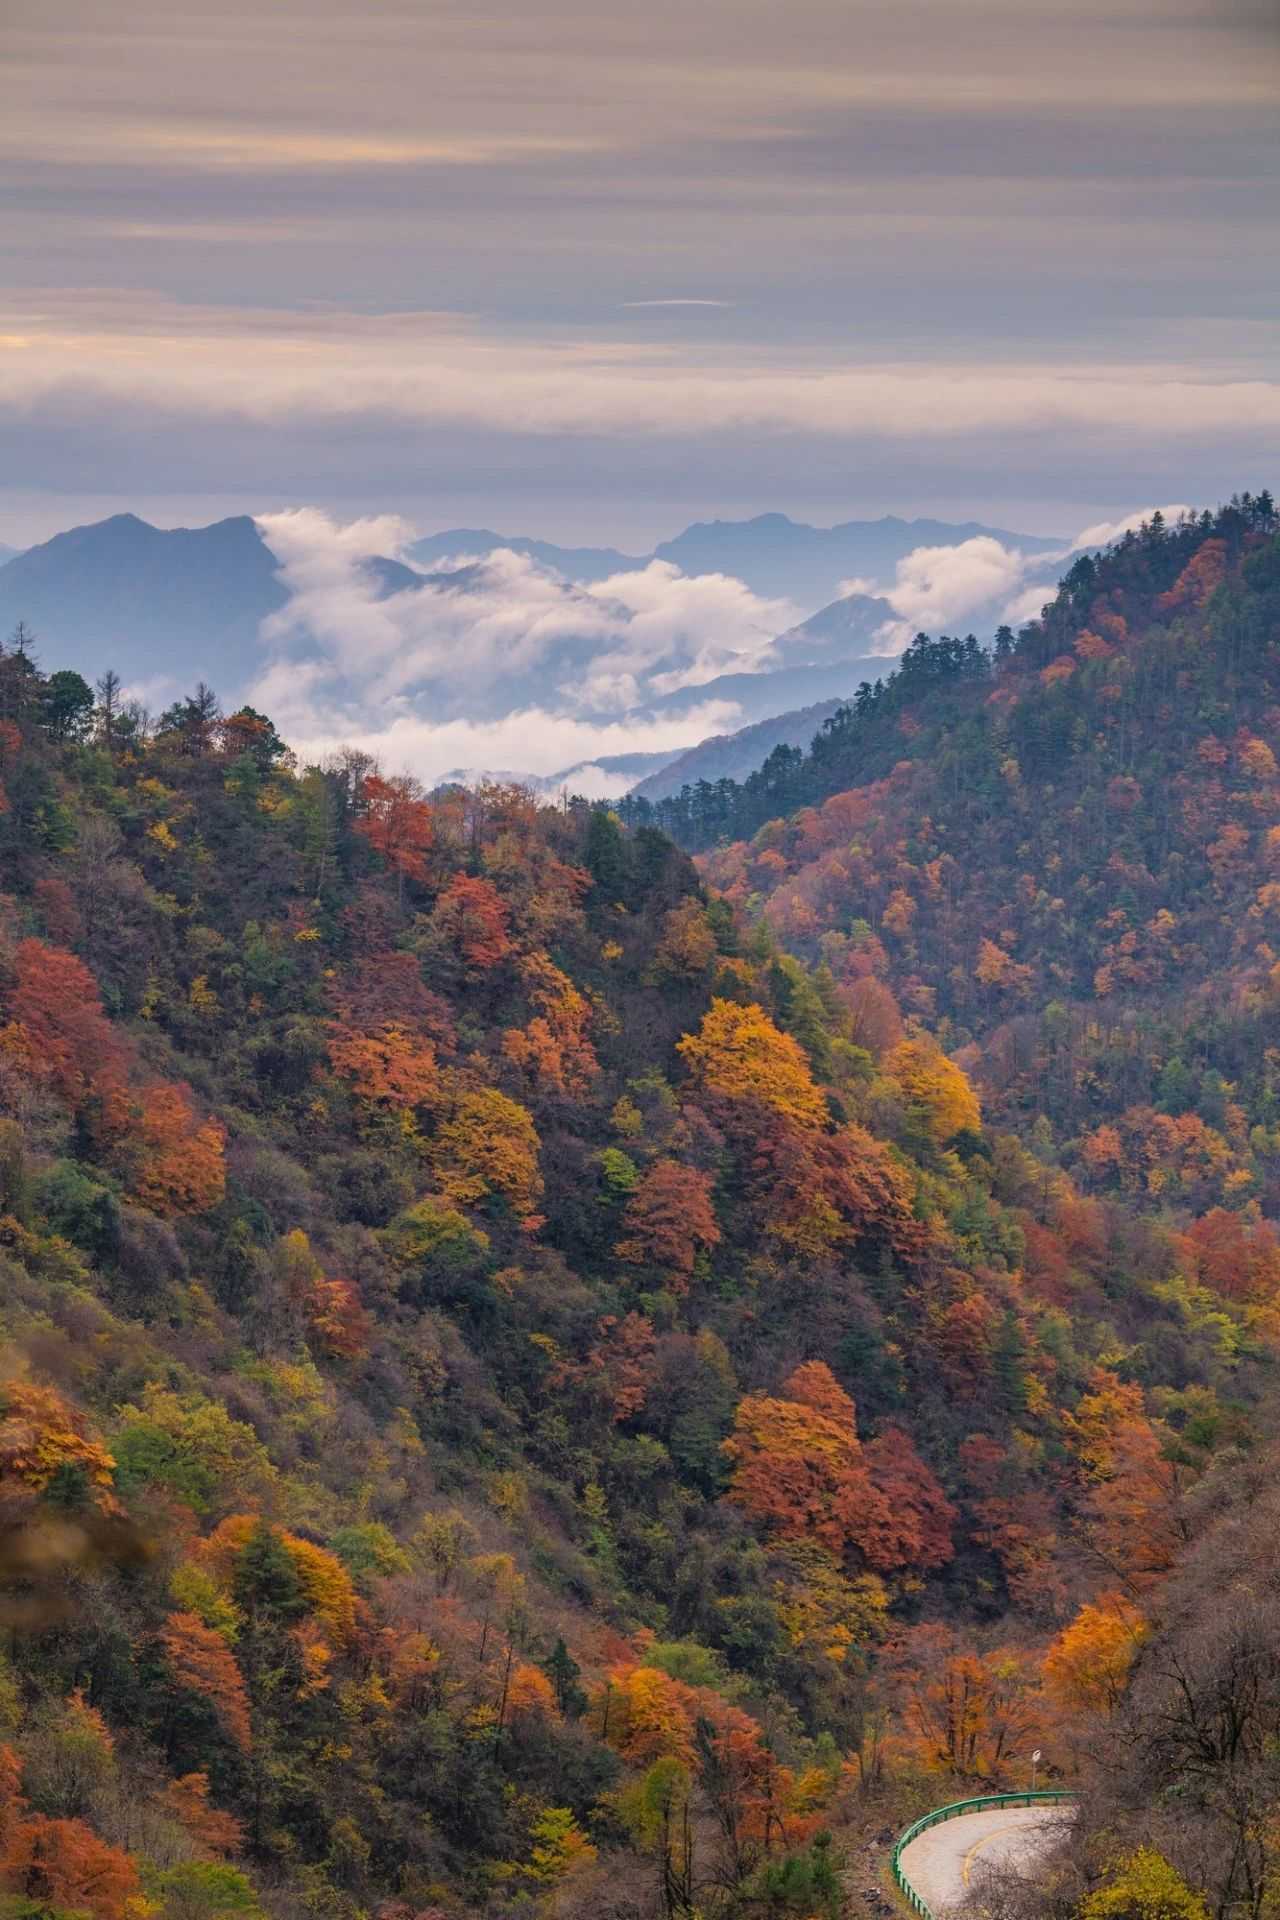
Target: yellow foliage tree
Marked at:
489, 1145
41, 1438
740, 1054
1144, 1886
937, 1086
560, 1847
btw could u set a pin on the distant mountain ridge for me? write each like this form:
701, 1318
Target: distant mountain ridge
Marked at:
778, 556
584, 564
184, 601
774, 555
732, 756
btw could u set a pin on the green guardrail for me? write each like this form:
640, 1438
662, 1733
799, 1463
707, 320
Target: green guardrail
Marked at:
1036, 1797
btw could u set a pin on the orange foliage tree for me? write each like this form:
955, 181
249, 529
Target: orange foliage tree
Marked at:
646, 1715
1086, 1667
202, 1663
799, 1468
180, 1166
68, 1039
1133, 1516
687, 946
1131, 1494
974, 1715
60, 1864
553, 1050
42, 1438
187, 1799
390, 1067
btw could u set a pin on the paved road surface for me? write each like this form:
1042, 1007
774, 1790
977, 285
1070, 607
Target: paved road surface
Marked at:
945, 1864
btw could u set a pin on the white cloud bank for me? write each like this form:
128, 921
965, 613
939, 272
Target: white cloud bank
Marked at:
1106, 531
940, 587
499, 662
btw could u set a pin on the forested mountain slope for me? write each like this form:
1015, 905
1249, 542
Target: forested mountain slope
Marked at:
518, 1396
1067, 860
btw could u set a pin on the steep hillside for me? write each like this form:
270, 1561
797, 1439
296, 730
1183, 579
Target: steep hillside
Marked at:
1063, 858
517, 1397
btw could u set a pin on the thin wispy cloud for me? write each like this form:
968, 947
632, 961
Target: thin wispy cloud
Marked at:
675, 302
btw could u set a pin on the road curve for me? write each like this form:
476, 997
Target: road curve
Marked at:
946, 1864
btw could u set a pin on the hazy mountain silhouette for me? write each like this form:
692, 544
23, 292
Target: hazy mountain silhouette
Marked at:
774, 555
778, 556
185, 603
584, 564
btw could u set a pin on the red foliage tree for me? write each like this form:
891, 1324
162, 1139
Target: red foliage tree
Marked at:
1236, 1258
473, 918
799, 1468
817, 1191
396, 821
918, 1509
667, 1219
73, 1047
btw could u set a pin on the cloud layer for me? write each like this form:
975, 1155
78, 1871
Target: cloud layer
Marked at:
497, 662
426, 368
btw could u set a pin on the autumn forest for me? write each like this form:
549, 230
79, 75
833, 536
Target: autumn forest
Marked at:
594, 1363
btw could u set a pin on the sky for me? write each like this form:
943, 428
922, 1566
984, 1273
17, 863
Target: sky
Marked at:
591, 270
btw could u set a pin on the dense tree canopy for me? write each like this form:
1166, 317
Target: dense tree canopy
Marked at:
534, 1380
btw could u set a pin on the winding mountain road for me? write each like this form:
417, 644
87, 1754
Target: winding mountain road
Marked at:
945, 1864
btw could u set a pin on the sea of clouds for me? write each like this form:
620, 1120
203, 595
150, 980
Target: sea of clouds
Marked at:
496, 662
